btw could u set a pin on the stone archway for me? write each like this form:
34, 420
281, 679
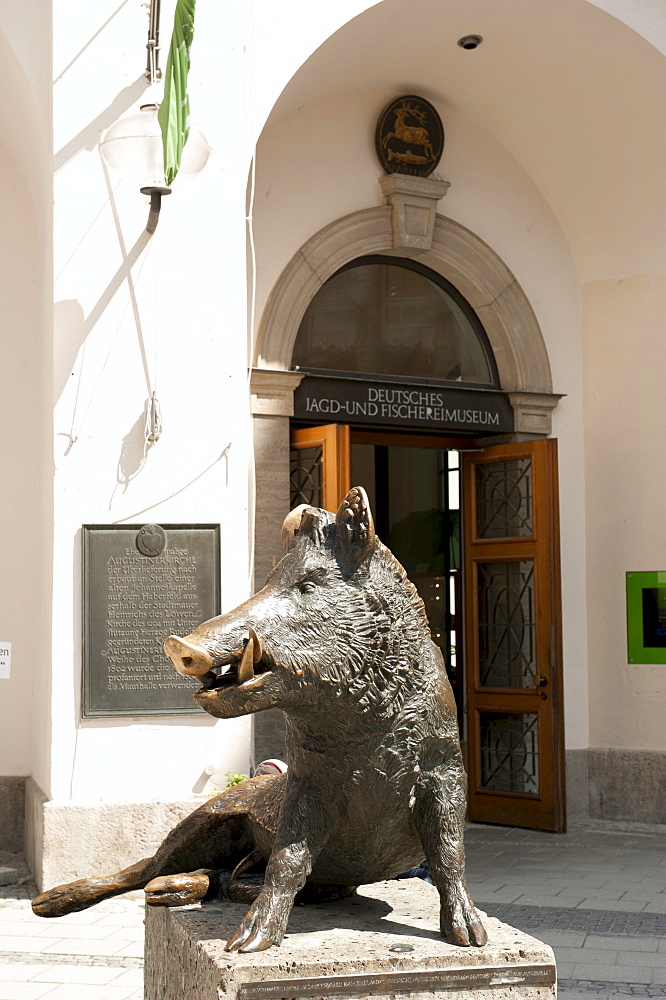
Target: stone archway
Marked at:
451, 250
448, 249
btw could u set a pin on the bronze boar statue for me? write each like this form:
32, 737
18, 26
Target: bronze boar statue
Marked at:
339, 640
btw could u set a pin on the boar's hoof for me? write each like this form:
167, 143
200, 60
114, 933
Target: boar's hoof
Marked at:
459, 922
254, 940
177, 890
69, 898
258, 930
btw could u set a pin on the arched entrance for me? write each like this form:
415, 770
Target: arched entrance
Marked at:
354, 335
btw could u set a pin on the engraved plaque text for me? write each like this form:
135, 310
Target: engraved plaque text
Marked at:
142, 583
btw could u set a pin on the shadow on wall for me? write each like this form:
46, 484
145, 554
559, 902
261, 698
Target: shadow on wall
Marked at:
133, 455
69, 325
88, 137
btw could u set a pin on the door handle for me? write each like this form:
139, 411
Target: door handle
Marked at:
541, 683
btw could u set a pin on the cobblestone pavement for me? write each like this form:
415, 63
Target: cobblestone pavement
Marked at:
596, 895
96, 954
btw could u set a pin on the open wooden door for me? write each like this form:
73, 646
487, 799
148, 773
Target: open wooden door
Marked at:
320, 466
513, 636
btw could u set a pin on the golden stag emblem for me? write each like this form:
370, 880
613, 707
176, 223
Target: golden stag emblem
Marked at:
413, 135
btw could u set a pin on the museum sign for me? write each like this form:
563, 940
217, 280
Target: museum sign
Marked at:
330, 399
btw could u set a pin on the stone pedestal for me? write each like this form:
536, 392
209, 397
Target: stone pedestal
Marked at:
381, 943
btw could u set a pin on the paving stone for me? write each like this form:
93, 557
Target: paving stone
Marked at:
83, 918
26, 943
565, 902
21, 928
656, 907
131, 949
74, 932
121, 919
499, 896
574, 989
603, 893
645, 895
25, 991
8, 876
81, 992
84, 946
610, 922
587, 882
643, 945
612, 973
130, 977
562, 939
621, 905
92, 975
18, 972
126, 932
13, 913
591, 956
44, 960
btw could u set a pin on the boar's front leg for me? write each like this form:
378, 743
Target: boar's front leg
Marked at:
440, 817
301, 835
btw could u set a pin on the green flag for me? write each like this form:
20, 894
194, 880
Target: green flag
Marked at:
174, 112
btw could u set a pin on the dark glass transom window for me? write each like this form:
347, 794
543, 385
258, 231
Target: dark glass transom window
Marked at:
381, 316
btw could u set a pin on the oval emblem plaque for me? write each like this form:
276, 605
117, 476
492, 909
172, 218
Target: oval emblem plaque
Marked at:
410, 137
150, 540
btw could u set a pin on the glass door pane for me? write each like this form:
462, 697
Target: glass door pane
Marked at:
506, 624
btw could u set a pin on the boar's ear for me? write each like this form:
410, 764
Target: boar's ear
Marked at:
291, 524
354, 530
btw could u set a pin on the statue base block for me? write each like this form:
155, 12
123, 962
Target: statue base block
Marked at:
381, 943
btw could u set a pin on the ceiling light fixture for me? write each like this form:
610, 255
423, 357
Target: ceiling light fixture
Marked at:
470, 42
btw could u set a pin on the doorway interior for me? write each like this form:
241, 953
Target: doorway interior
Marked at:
415, 495
476, 528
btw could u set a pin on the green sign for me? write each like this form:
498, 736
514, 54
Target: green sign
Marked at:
646, 617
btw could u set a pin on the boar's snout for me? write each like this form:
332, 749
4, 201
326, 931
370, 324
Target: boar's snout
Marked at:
188, 659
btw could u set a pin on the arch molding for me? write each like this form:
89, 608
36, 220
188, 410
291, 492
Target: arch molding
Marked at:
456, 254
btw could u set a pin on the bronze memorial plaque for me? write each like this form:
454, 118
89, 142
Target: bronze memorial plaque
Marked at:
141, 583
430, 980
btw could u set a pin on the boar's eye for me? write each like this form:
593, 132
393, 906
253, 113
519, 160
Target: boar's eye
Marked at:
307, 586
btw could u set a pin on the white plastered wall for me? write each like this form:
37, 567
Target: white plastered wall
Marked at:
25, 419
25, 496
185, 313
625, 359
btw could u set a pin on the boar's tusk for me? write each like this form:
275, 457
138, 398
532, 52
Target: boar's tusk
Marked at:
246, 666
256, 654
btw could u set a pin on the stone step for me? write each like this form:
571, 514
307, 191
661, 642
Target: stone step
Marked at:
8, 876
